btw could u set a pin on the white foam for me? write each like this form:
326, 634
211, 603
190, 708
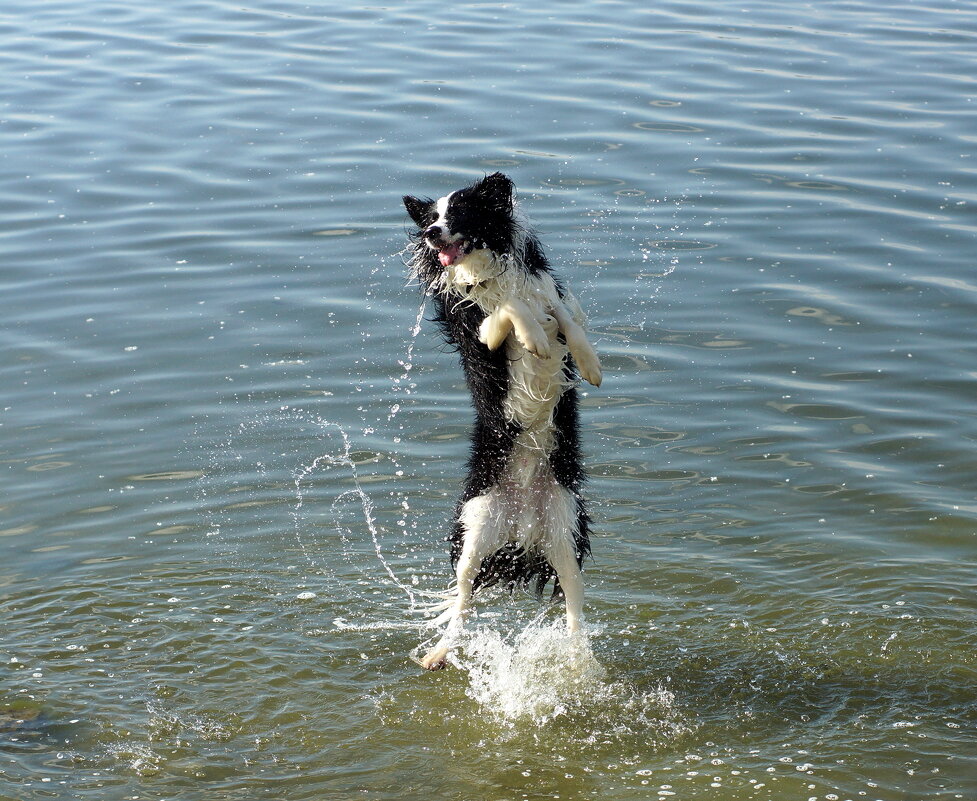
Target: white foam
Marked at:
544, 673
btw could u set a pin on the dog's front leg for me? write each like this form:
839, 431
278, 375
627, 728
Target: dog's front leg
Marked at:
528, 330
576, 338
481, 520
495, 328
515, 316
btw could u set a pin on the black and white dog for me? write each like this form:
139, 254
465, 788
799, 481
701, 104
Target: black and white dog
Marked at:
521, 519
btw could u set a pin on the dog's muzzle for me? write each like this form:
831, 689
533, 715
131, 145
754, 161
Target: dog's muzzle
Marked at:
448, 251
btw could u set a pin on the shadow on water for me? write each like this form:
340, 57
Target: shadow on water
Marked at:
25, 725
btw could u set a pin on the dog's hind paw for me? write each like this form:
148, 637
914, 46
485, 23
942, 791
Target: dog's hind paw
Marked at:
435, 659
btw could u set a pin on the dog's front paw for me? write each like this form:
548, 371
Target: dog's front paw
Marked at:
494, 329
588, 365
533, 338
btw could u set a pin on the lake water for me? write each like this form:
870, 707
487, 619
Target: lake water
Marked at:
228, 454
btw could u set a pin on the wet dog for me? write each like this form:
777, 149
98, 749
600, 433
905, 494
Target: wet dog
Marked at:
521, 519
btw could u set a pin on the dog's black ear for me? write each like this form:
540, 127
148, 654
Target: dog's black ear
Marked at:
497, 188
418, 209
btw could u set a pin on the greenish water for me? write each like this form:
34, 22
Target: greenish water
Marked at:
228, 454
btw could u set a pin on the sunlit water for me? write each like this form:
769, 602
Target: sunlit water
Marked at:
230, 443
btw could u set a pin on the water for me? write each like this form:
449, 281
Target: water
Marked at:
228, 454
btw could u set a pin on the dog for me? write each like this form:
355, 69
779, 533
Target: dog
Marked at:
521, 519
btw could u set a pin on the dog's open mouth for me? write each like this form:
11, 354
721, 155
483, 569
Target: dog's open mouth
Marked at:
449, 253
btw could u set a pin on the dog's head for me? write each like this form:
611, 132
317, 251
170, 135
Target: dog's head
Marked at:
474, 218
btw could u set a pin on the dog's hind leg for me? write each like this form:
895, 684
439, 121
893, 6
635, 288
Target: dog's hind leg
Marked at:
481, 520
560, 550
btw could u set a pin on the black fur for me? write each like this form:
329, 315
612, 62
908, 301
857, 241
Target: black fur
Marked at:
483, 213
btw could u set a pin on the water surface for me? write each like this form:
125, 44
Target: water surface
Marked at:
229, 453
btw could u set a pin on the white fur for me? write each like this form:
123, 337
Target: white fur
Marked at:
441, 208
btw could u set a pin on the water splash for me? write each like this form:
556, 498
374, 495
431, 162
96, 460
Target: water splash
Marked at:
543, 674
344, 459
402, 384
538, 676
258, 494
252, 482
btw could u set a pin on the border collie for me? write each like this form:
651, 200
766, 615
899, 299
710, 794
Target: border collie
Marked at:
521, 519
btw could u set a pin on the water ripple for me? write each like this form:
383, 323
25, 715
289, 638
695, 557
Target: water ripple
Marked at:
767, 211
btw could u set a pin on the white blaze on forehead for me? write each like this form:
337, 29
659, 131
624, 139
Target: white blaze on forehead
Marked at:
441, 207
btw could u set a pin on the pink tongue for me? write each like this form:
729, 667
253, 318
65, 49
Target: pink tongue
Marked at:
449, 255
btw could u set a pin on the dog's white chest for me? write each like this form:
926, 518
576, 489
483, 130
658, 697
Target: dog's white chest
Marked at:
535, 384
474, 269
517, 317
526, 315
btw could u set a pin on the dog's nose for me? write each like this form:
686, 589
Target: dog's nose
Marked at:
433, 232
